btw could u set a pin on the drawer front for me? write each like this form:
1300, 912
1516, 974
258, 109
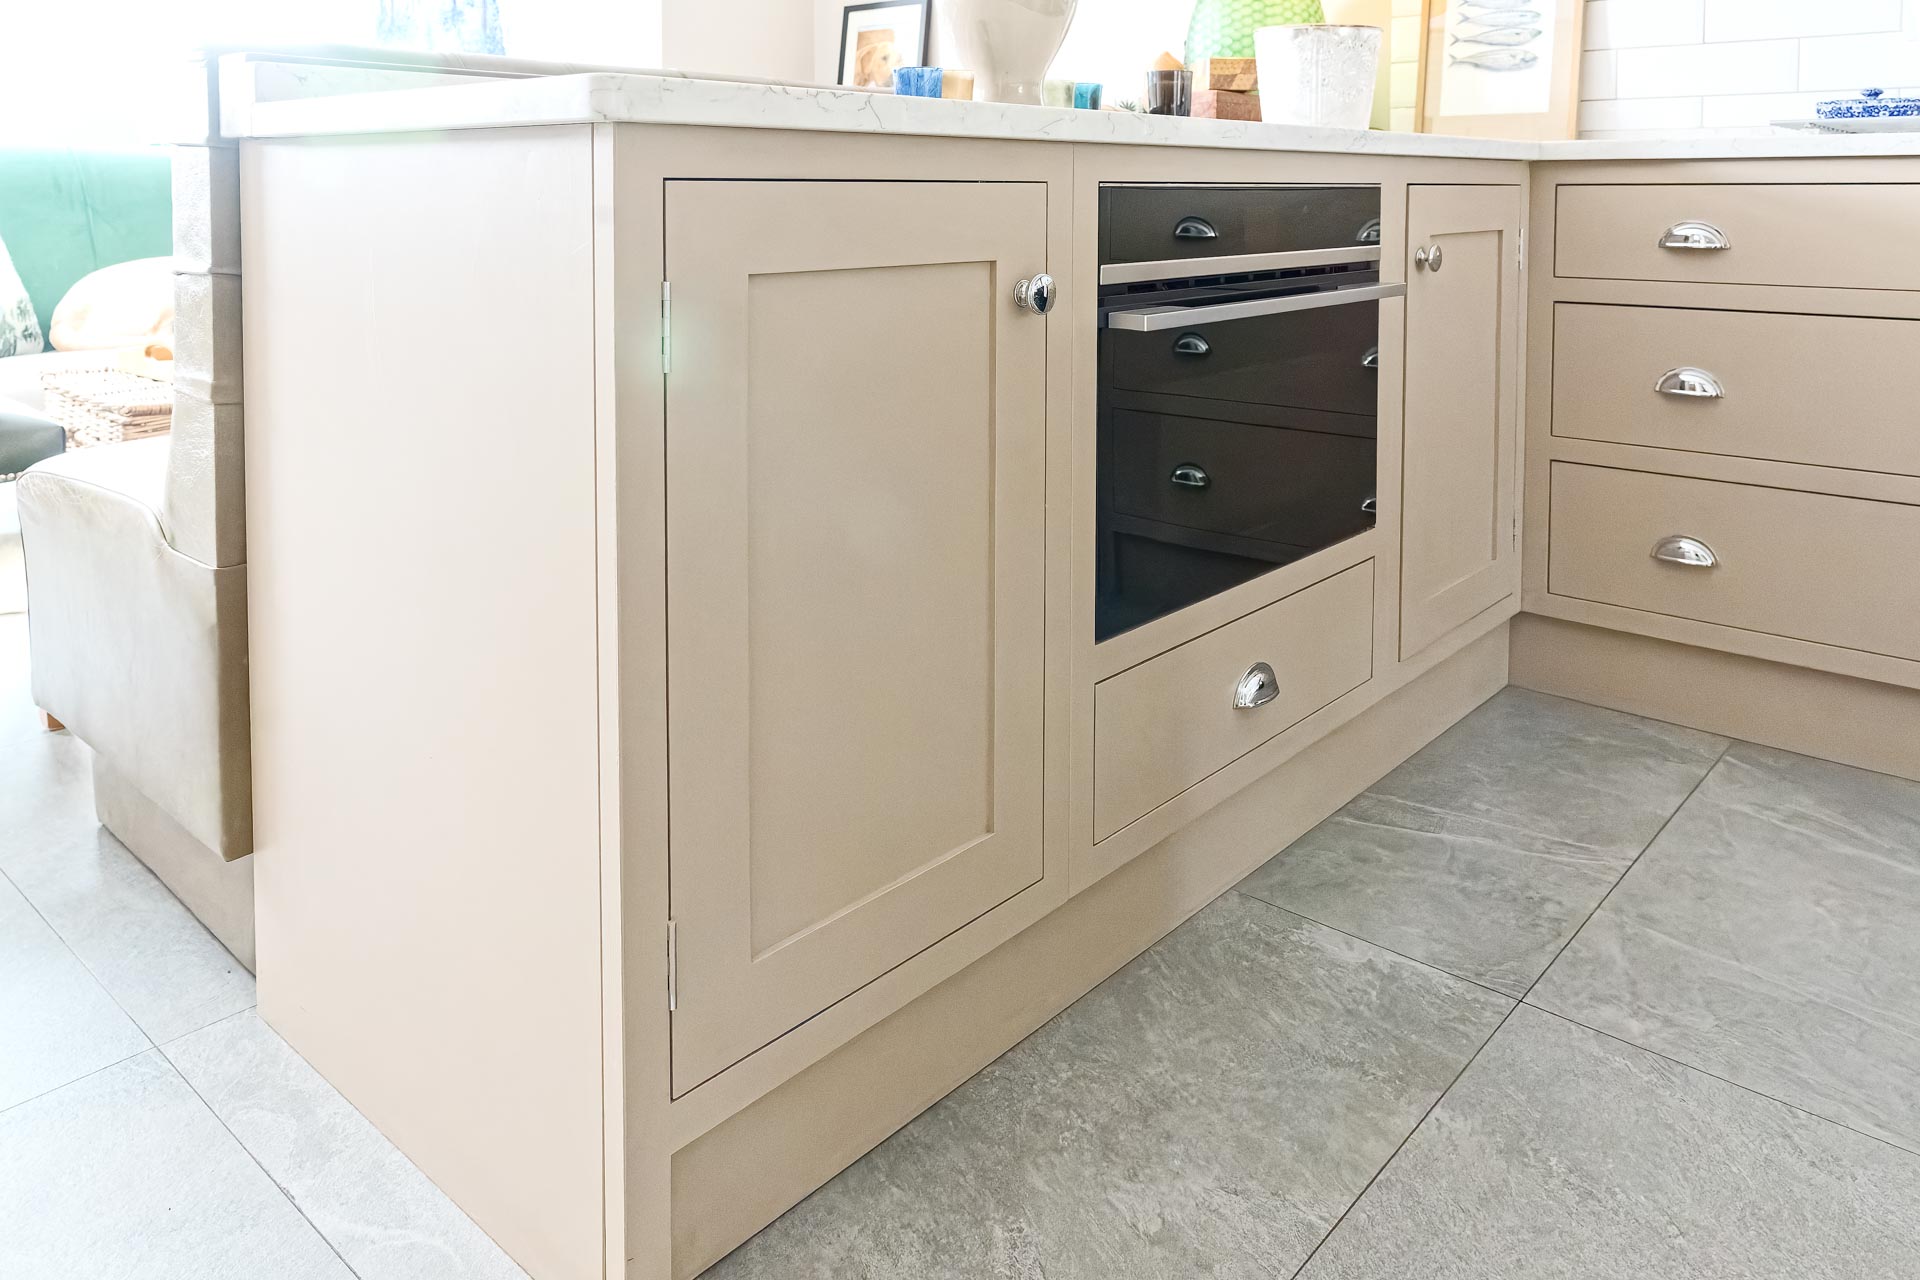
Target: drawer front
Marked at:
1168, 723
1142, 224
1273, 484
1855, 408
1809, 566
1300, 360
1835, 237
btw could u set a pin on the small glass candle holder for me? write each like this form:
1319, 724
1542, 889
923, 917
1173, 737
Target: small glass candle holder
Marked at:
1169, 93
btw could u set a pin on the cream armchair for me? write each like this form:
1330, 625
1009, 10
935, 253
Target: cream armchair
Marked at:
140, 650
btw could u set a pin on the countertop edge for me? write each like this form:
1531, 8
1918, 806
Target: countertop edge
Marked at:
602, 97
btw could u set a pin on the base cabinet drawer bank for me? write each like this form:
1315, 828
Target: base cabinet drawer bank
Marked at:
1807, 566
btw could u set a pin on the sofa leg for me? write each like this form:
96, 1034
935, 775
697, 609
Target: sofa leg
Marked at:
50, 724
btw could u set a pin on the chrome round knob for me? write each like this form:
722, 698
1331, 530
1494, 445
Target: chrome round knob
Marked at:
1428, 258
1035, 295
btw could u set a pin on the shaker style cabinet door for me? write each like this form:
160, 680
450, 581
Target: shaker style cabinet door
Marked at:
1459, 495
856, 432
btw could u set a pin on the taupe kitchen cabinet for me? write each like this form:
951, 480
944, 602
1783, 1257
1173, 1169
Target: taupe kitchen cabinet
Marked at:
1460, 478
856, 435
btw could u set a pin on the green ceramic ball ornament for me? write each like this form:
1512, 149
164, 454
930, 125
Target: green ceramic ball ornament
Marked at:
1224, 28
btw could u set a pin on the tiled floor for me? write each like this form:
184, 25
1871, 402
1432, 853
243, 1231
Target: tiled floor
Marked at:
151, 1126
1570, 994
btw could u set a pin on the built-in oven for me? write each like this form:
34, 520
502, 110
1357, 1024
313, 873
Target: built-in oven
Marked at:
1239, 386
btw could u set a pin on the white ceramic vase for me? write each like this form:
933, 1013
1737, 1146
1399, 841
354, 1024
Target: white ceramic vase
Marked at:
1007, 44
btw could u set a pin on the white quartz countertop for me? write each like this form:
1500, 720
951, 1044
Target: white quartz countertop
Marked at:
671, 98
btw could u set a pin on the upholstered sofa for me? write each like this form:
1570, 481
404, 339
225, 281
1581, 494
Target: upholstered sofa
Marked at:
136, 591
140, 651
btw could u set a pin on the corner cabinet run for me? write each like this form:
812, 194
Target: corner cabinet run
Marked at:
771, 779
856, 435
1460, 531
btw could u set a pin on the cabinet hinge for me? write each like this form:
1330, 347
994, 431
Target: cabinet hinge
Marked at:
1523, 248
673, 969
1516, 531
666, 326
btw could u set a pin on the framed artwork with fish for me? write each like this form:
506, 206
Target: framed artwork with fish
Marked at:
1502, 68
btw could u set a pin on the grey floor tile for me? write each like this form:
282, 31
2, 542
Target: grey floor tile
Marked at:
57, 1023
46, 792
1483, 853
18, 718
147, 949
127, 1176
1208, 1111
1771, 936
1564, 1155
382, 1214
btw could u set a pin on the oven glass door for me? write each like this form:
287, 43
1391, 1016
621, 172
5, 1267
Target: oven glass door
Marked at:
1237, 434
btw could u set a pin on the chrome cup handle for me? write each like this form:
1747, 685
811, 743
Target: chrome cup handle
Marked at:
1694, 384
1256, 688
1695, 235
1688, 553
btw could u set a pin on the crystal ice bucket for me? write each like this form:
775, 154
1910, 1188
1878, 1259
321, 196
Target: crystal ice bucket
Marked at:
1318, 75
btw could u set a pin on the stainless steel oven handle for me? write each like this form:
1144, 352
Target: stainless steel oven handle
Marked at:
1155, 319
1237, 264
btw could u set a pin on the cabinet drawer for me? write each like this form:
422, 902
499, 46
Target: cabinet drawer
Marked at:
1153, 224
1808, 566
1856, 410
1323, 359
1272, 484
1833, 236
1168, 723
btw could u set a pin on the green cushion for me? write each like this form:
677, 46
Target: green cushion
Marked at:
64, 213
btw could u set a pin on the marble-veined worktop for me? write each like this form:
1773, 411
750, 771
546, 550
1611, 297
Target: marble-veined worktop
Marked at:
671, 98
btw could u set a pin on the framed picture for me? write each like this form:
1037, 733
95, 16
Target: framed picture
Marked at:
876, 38
1502, 68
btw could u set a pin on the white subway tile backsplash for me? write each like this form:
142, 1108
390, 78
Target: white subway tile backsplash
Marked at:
1596, 30
1641, 24
1599, 73
1666, 115
1858, 62
1755, 66
1789, 19
1661, 67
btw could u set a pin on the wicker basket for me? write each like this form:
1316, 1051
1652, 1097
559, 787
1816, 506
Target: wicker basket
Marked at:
107, 405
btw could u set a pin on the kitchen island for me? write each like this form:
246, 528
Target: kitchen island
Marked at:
712, 519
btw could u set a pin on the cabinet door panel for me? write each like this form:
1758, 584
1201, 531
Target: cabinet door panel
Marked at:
855, 469
1458, 495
